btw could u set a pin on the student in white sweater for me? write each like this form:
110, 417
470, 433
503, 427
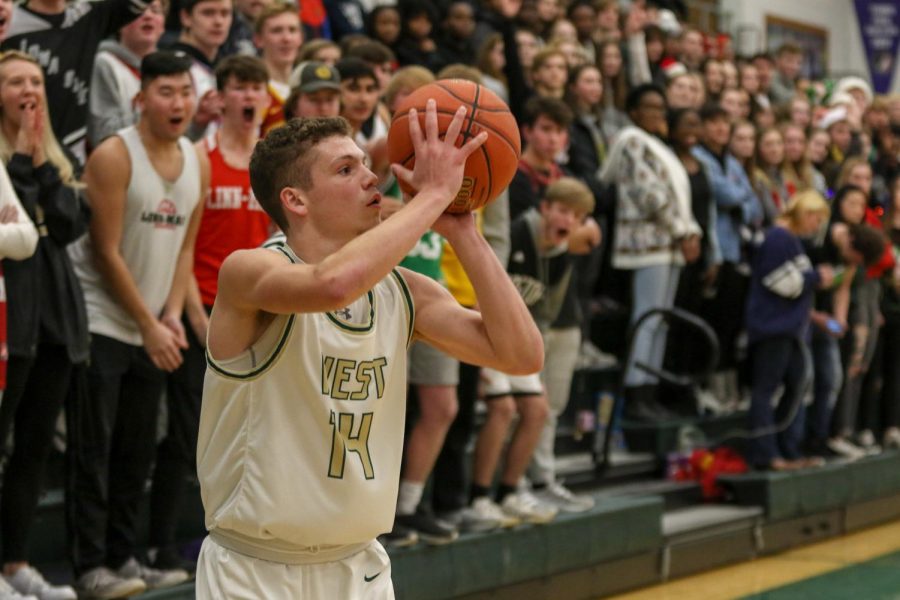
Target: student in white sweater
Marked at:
654, 235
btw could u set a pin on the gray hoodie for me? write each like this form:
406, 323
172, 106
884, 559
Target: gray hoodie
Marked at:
115, 82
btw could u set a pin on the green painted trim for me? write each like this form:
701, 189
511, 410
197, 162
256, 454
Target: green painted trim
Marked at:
253, 373
410, 307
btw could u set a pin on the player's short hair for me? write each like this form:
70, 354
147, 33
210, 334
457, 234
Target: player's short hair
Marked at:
273, 10
543, 106
570, 192
245, 69
284, 158
163, 63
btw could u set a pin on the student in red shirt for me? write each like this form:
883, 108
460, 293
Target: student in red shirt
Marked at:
232, 220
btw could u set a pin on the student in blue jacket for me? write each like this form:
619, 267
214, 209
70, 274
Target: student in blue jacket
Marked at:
782, 283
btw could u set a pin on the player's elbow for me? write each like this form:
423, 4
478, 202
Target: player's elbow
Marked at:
336, 288
527, 359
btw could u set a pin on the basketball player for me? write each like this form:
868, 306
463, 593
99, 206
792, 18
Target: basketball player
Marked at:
304, 400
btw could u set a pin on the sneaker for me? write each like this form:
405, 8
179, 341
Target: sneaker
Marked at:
484, 515
892, 438
399, 537
153, 578
845, 448
8, 593
558, 495
866, 441
431, 530
525, 506
29, 581
103, 583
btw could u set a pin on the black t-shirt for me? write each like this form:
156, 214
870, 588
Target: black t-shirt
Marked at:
65, 46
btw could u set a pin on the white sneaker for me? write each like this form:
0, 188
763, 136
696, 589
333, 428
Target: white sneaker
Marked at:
103, 583
892, 438
525, 506
29, 580
845, 448
558, 495
153, 578
485, 510
866, 441
8, 593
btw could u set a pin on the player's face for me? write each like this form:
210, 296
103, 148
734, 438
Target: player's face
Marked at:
546, 137
343, 199
21, 84
146, 29
358, 99
167, 104
321, 103
244, 102
280, 38
209, 22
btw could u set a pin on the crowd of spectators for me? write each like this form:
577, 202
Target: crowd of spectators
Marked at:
658, 169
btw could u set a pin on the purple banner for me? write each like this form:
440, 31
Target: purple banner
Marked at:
879, 24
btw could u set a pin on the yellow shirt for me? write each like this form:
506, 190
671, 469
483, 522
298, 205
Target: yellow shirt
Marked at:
455, 277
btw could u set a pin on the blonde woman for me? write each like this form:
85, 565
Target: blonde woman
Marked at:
796, 169
782, 283
47, 319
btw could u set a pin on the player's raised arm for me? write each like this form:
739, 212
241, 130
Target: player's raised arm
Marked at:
325, 197
502, 335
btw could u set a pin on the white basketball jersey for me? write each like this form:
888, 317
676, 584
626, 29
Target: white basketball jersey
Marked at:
301, 437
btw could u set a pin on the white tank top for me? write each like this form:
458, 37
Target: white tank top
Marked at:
154, 223
301, 436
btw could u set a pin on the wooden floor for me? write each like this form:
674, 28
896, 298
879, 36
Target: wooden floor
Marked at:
810, 572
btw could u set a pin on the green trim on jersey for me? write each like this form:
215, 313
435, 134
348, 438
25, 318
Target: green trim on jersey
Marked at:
352, 327
410, 307
266, 364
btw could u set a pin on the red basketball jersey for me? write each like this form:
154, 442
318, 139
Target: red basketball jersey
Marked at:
232, 220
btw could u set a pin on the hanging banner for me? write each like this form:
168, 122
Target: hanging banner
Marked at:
879, 24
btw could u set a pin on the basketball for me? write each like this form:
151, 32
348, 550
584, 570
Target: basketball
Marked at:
490, 168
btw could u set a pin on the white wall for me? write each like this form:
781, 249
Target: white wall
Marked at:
845, 48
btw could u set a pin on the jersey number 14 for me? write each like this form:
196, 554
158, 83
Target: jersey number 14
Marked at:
343, 439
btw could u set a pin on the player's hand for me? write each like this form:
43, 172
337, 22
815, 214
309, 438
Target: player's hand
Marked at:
439, 163
453, 225
162, 345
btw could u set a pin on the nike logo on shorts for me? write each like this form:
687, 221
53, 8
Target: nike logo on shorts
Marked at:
367, 579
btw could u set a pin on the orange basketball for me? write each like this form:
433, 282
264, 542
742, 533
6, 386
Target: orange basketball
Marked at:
490, 168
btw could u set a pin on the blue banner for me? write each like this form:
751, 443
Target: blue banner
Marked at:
879, 24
